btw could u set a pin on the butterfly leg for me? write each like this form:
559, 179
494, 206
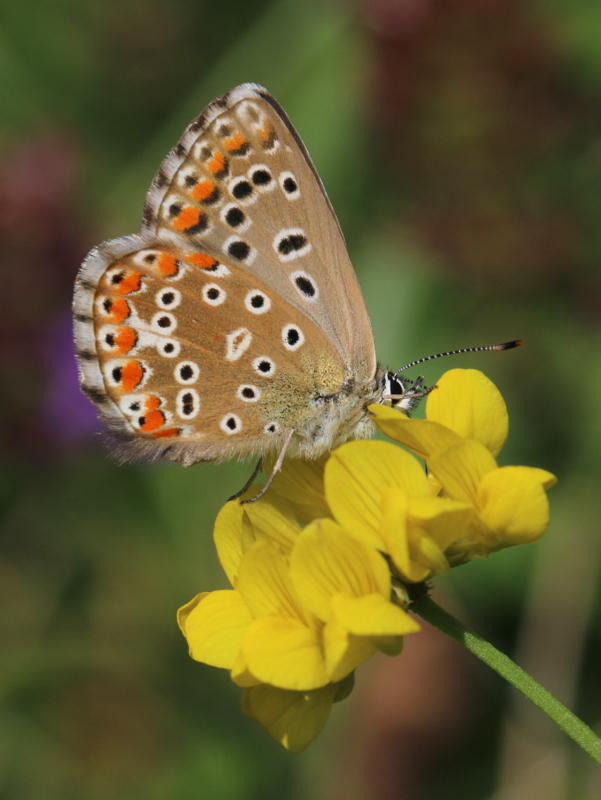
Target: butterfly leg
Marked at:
249, 482
277, 467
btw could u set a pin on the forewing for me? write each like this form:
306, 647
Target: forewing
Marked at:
241, 183
192, 357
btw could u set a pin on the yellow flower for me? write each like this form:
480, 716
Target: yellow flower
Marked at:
309, 604
465, 404
381, 495
466, 427
306, 608
511, 502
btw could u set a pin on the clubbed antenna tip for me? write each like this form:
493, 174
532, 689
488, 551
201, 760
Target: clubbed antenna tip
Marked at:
503, 346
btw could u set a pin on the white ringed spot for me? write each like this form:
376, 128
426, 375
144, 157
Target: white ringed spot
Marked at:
305, 285
264, 366
213, 294
231, 423
291, 243
292, 337
237, 248
271, 427
243, 191
132, 403
235, 217
168, 298
248, 393
186, 372
170, 348
163, 322
187, 403
262, 178
257, 302
289, 185
237, 343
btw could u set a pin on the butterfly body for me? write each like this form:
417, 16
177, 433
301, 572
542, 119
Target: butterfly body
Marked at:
234, 321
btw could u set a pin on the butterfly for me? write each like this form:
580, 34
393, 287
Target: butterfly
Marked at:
233, 324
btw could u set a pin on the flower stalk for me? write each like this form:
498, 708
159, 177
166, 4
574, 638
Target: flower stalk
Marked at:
569, 723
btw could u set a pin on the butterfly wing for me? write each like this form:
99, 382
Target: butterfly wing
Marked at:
241, 182
171, 352
236, 314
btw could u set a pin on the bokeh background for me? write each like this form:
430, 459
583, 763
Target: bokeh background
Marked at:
460, 143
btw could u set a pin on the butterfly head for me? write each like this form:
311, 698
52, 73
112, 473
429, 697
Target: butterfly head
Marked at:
401, 393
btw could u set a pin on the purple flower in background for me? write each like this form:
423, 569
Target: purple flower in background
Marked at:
68, 416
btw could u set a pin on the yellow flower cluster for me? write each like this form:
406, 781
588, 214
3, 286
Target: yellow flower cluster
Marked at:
319, 565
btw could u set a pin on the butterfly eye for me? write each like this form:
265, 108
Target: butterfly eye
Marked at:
257, 302
264, 366
187, 372
305, 285
292, 337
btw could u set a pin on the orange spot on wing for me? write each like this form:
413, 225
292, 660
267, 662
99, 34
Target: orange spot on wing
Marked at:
131, 375
153, 420
125, 339
167, 264
152, 402
187, 218
235, 142
119, 310
217, 164
202, 190
168, 433
202, 260
130, 283
266, 134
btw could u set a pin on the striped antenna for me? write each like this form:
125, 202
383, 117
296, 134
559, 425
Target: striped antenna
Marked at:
504, 346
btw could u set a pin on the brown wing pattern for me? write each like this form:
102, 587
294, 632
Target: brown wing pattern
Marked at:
179, 364
241, 181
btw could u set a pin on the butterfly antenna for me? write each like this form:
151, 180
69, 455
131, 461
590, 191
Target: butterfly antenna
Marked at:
504, 346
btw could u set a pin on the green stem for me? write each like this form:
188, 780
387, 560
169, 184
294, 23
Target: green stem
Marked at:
562, 716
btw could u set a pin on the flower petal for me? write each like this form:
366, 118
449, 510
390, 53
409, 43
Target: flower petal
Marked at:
467, 402
272, 517
293, 719
285, 653
461, 467
265, 584
372, 615
228, 537
395, 534
301, 482
422, 436
214, 624
343, 651
326, 561
356, 475
446, 520
514, 505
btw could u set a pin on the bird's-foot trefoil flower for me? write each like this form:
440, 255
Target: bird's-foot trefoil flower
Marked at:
322, 567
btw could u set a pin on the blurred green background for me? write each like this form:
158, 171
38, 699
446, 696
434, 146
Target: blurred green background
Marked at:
460, 143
